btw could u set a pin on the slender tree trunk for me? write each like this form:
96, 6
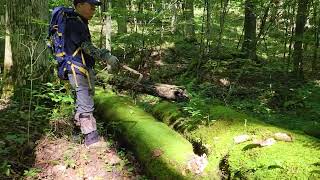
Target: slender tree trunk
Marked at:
7, 89
316, 36
2, 31
189, 18
106, 29
300, 26
8, 52
263, 22
209, 34
293, 5
223, 12
122, 16
249, 43
174, 18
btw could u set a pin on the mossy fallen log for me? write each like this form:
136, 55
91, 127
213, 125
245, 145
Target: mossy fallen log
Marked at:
163, 153
298, 159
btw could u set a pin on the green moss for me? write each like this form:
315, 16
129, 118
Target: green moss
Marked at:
147, 137
283, 160
166, 112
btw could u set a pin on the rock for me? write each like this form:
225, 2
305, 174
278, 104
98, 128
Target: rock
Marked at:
197, 164
283, 137
57, 169
267, 142
241, 138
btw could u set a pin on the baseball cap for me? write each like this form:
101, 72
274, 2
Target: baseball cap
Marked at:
95, 2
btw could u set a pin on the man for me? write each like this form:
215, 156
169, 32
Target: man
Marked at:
78, 42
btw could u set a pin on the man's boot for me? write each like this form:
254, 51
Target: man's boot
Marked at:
89, 129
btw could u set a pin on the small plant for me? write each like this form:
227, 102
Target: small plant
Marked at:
5, 168
32, 172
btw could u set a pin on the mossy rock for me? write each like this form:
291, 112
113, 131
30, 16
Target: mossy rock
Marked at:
162, 152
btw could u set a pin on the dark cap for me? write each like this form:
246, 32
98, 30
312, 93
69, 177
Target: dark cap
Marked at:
95, 2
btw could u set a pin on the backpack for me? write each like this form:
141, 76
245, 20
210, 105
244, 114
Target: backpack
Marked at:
56, 42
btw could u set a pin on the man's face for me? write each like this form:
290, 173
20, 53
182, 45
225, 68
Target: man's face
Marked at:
86, 10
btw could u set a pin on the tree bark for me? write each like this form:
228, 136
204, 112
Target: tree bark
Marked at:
249, 43
299, 31
174, 18
263, 21
165, 91
8, 52
223, 12
106, 25
189, 19
7, 89
28, 24
122, 16
2, 30
316, 37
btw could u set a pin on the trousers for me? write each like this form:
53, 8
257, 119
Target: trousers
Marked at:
84, 104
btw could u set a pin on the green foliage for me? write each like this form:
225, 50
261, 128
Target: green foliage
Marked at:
31, 173
5, 168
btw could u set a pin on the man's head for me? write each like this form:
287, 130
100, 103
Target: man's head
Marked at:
86, 8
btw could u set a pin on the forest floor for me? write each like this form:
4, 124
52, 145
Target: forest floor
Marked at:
48, 152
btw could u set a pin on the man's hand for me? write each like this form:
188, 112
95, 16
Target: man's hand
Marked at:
114, 62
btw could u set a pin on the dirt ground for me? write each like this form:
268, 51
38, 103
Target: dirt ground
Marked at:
64, 160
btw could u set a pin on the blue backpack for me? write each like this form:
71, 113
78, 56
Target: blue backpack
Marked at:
56, 42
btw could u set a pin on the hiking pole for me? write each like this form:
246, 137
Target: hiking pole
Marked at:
133, 71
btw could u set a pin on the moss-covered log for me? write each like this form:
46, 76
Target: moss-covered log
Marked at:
299, 159
163, 152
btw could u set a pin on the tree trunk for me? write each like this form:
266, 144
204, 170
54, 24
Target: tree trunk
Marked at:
174, 18
209, 32
293, 9
263, 22
2, 31
165, 91
106, 25
223, 12
8, 52
300, 26
189, 19
7, 88
316, 37
122, 16
28, 25
249, 43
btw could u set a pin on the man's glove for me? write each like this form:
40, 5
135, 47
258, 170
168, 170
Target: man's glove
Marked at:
114, 63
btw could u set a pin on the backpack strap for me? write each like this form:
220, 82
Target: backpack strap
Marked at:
80, 68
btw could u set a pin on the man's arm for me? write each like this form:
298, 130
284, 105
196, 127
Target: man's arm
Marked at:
96, 53
101, 54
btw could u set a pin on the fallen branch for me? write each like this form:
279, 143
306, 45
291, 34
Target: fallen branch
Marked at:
165, 91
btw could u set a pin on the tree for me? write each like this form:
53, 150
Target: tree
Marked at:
2, 30
223, 12
301, 17
27, 24
121, 16
316, 27
189, 19
249, 44
106, 28
7, 63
